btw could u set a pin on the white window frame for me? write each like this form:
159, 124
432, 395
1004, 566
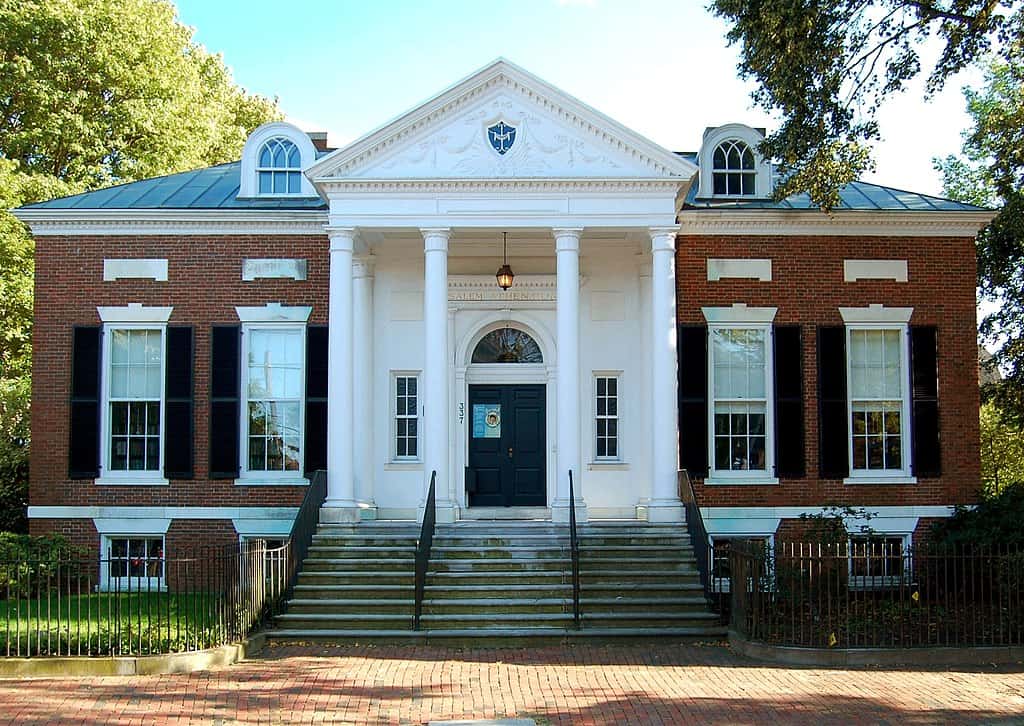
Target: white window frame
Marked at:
260, 170
713, 138
154, 477
721, 585
393, 456
882, 476
249, 181
135, 584
878, 582
247, 476
618, 458
756, 476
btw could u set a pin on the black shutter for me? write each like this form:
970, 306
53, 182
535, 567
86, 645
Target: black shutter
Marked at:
926, 455
789, 402
178, 426
84, 434
224, 411
833, 447
316, 398
693, 399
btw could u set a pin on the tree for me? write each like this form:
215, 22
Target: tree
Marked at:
93, 93
826, 66
990, 172
1002, 451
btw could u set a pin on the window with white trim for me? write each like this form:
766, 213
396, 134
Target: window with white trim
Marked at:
134, 408
406, 417
132, 562
273, 386
741, 419
278, 167
878, 560
878, 400
734, 171
606, 418
721, 570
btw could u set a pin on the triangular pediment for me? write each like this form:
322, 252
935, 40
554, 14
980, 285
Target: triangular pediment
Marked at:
501, 123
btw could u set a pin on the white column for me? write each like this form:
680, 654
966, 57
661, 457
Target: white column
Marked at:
643, 442
435, 370
340, 505
362, 330
665, 505
567, 441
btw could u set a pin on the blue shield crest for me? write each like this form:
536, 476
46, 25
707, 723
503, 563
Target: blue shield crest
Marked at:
501, 136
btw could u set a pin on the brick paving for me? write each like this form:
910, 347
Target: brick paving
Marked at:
660, 684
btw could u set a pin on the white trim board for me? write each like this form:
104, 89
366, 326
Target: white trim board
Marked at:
788, 222
765, 520
204, 222
136, 269
94, 512
134, 313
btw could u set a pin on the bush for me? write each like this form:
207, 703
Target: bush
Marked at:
29, 565
995, 522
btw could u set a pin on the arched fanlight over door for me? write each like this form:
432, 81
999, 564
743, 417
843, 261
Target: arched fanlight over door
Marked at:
507, 345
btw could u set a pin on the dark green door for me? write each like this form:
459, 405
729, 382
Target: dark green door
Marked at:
506, 446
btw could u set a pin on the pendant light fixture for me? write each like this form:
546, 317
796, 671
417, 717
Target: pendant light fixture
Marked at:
504, 274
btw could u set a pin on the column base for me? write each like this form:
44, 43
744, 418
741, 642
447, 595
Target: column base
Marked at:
340, 512
367, 511
560, 511
665, 510
444, 513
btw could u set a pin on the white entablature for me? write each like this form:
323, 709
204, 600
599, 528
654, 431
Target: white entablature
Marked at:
559, 162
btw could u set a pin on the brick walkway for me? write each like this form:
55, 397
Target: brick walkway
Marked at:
662, 684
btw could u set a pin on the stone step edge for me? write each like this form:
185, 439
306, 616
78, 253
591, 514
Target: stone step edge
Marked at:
482, 633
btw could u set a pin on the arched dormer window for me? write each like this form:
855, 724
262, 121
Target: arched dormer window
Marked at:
279, 167
733, 169
272, 162
730, 166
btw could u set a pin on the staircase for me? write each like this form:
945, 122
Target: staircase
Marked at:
504, 582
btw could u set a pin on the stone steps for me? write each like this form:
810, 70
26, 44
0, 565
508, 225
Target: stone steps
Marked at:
501, 582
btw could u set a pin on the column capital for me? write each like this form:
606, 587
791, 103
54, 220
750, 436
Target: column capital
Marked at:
362, 266
435, 239
342, 238
663, 238
567, 238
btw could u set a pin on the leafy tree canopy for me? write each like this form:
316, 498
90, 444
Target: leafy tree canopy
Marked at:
826, 65
100, 91
93, 93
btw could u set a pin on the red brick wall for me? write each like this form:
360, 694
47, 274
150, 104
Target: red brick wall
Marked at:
807, 287
204, 286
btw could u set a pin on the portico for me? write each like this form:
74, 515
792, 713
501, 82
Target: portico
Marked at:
421, 202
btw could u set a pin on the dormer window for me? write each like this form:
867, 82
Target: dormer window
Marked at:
279, 167
731, 169
734, 171
273, 160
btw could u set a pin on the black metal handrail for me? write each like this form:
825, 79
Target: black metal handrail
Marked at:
698, 532
303, 528
423, 546
574, 551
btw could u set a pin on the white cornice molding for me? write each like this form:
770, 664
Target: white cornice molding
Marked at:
910, 223
505, 75
518, 184
133, 222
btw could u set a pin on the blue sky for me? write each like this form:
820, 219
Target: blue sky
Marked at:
661, 68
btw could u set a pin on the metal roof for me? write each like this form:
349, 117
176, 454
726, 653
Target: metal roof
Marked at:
216, 187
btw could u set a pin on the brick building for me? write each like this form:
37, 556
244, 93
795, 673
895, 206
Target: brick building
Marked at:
665, 313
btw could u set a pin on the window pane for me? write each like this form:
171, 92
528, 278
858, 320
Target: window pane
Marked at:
152, 454
719, 183
119, 418
893, 452
136, 454
719, 158
722, 453
294, 184
119, 347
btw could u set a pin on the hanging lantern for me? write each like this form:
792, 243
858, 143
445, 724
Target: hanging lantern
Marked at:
504, 275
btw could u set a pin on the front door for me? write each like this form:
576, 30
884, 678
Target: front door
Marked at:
506, 446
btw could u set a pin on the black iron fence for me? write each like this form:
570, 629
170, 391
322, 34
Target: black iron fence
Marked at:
873, 593
698, 534
134, 600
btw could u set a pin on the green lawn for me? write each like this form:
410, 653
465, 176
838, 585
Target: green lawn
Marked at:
110, 624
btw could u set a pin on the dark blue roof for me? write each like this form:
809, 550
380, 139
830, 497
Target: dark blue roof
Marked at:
857, 196
215, 187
